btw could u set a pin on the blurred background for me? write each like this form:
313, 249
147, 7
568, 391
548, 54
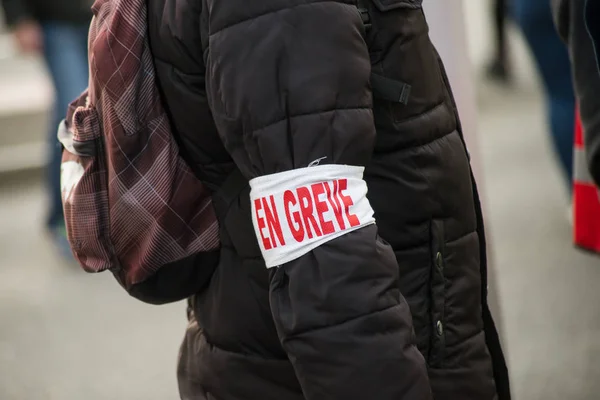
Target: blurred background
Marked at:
70, 336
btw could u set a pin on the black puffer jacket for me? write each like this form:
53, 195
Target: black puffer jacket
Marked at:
287, 83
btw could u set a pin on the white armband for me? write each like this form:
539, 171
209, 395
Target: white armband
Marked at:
294, 212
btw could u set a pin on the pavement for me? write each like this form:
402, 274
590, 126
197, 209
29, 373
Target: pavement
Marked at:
547, 288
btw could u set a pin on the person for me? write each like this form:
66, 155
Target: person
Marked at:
499, 67
552, 60
353, 264
58, 30
570, 23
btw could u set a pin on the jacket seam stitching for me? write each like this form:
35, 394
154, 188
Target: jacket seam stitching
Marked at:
369, 108
343, 322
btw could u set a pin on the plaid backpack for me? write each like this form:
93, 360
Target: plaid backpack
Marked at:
131, 203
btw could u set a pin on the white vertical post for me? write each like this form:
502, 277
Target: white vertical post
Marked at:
448, 33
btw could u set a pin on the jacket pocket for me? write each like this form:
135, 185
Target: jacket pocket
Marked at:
84, 189
438, 295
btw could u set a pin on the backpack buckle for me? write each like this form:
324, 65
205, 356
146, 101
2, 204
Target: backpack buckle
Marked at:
366, 18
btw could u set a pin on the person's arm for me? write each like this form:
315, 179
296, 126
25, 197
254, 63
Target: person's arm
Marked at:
570, 22
561, 14
288, 85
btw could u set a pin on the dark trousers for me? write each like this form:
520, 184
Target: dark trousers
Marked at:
500, 11
65, 53
552, 60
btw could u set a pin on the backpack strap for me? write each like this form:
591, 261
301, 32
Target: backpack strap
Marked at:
383, 88
364, 13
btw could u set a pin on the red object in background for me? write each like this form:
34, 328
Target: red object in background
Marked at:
586, 204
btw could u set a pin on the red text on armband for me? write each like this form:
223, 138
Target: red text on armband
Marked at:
309, 211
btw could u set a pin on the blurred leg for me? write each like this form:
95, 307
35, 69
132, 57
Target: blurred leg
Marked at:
498, 67
500, 29
552, 60
65, 52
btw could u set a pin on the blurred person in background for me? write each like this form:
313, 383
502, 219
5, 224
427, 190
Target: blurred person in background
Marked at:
58, 30
499, 68
570, 23
534, 18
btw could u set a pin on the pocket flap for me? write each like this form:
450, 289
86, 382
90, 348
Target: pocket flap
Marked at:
387, 5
